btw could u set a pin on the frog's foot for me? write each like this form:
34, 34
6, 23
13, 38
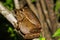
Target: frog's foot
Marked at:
35, 30
32, 35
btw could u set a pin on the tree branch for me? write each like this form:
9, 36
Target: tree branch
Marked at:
7, 14
52, 15
16, 2
45, 30
45, 11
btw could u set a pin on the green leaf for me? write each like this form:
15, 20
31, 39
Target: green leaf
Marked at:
57, 33
33, 1
59, 39
10, 30
57, 5
41, 38
12, 35
8, 1
9, 4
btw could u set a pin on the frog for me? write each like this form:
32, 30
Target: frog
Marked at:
28, 24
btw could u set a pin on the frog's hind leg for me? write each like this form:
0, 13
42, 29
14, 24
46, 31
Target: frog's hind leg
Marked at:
32, 35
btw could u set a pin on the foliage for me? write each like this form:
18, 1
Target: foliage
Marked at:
41, 38
11, 30
57, 8
9, 4
59, 39
33, 1
57, 33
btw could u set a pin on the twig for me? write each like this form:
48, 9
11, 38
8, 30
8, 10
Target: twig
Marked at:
16, 2
7, 14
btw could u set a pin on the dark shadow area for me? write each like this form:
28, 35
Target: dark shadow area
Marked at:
59, 19
4, 34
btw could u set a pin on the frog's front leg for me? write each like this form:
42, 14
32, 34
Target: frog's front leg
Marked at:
20, 18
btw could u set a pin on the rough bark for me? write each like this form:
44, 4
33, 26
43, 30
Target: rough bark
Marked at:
45, 11
8, 15
52, 15
45, 29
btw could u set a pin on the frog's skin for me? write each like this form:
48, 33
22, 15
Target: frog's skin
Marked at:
28, 23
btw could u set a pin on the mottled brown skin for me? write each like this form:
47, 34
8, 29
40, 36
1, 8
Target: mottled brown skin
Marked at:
28, 24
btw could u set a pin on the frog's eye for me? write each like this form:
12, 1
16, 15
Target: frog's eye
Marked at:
21, 9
